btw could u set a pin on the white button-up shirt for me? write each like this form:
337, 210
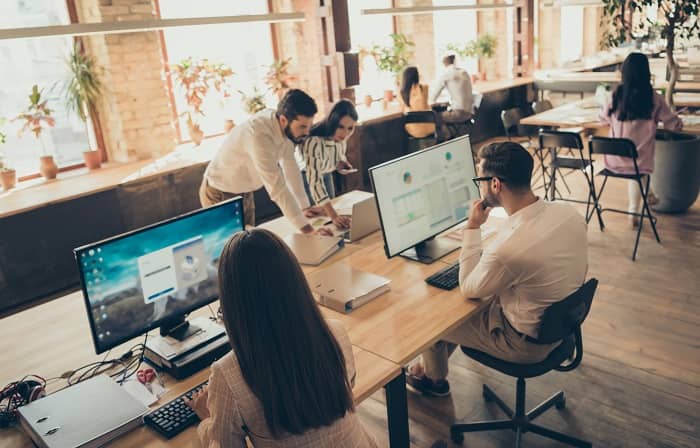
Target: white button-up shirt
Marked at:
256, 153
538, 257
458, 85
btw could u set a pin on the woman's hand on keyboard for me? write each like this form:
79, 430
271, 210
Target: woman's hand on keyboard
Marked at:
198, 403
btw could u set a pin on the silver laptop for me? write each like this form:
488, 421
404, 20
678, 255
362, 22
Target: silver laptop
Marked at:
365, 220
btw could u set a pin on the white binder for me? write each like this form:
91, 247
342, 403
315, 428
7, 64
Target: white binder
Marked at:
342, 288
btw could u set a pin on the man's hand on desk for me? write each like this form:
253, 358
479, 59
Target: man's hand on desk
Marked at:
198, 403
478, 214
320, 231
314, 211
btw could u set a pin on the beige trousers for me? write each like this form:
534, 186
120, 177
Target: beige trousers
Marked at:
487, 331
209, 196
634, 196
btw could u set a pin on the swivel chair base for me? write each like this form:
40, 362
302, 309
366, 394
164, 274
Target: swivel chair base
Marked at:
519, 422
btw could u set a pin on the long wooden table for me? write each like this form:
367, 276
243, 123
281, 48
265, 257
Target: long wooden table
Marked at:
386, 333
583, 114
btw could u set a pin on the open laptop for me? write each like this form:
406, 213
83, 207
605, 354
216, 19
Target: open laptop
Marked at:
365, 220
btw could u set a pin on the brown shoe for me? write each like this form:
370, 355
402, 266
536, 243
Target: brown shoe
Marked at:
652, 199
426, 386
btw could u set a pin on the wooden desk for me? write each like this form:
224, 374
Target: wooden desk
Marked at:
56, 339
572, 114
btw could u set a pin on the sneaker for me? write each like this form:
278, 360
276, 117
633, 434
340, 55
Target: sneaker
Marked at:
426, 386
633, 222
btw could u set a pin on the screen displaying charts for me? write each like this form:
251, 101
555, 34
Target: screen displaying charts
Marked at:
134, 281
425, 193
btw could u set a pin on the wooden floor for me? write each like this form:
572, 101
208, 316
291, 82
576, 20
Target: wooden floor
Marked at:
639, 382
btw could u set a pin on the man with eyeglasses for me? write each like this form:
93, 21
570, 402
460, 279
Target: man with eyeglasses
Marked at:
539, 257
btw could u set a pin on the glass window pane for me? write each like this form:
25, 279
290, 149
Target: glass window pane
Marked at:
365, 31
244, 47
41, 61
571, 47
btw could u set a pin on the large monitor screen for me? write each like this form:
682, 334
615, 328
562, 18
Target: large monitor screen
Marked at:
424, 193
135, 281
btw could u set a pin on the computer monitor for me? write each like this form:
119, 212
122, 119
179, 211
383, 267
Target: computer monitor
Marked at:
423, 194
155, 276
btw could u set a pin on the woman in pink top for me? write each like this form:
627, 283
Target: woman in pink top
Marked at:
287, 381
634, 113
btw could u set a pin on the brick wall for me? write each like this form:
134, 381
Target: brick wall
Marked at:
419, 29
135, 112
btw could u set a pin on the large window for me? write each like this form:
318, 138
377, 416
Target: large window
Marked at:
571, 42
457, 28
244, 47
366, 31
41, 61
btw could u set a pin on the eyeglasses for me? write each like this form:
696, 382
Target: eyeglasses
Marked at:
476, 180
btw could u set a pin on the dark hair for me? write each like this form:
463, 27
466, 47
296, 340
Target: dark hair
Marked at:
296, 102
288, 356
448, 60
408, 79
508, 161
633, 99
329, 125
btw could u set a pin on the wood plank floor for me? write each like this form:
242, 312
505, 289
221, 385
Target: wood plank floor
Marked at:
639, 382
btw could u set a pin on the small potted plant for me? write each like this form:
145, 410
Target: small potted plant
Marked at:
196, 79
81, 92
35, 117
394, 58
253, 102
485, 47
278, 79
8, 176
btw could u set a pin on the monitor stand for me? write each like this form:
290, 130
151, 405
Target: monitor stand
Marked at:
182, 357
431, 250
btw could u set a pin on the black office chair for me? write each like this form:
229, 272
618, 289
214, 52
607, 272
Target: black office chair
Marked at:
422, 116
555, 141
561, 322
624, 148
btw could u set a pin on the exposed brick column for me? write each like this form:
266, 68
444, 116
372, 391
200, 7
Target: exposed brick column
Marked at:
494, 22
549, 27
419, 29
135, 112
311, 46
592, 31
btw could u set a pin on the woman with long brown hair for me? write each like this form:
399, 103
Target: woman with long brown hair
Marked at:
287, 381
634, 113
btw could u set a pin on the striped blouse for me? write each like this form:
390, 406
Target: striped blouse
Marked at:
320, 156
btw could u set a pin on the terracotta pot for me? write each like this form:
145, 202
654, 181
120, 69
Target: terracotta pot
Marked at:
475, 78
483, 75
368, 100
388, 95
228, 125
93, 159
47, 167
8, 179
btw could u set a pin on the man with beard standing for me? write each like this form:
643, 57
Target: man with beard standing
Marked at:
260, 153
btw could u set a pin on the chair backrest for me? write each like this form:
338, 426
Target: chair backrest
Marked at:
622, 147
511, 119
560, 139
541, 106
420, 116
563, 318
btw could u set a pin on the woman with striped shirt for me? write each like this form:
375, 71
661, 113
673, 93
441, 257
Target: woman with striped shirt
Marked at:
324, 152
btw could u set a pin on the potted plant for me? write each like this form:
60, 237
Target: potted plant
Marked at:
628, 20
35, 117
676, 178
394, 58
81, 92
482, 47
278, 79
253, 102
8, 176
196, 79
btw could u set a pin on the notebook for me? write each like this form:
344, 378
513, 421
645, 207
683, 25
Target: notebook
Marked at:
313, 249
86, 415
343, 288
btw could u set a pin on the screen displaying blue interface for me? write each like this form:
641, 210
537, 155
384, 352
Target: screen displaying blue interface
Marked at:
135, 281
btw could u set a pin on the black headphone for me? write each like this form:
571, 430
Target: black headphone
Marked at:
19, 393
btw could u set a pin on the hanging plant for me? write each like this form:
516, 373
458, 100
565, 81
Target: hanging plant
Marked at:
278, 79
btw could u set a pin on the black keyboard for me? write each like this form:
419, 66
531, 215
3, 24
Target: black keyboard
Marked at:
447, 278
174, 417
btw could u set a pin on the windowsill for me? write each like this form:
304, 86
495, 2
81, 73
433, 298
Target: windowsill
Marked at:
36, 193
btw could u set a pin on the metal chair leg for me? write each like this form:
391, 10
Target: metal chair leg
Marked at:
545, 432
